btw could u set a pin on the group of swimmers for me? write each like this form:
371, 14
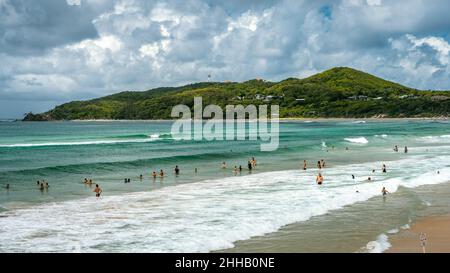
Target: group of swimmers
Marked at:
396, 149
320, 179
251, 164
42, 185
98, 191
320, 164
88, 182
161, 174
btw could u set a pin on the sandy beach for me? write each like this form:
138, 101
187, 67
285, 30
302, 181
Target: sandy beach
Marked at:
437, 230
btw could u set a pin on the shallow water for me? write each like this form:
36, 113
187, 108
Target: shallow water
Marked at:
213, 209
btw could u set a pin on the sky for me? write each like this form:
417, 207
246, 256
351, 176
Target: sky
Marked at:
56, 51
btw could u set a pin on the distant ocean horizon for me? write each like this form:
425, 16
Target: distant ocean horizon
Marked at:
214, 209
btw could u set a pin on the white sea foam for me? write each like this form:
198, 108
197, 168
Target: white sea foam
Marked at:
358, 140
380, 245
89, 142
435, 139
393, 231
202, 216
406, 226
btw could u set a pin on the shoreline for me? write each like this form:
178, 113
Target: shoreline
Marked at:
437, 230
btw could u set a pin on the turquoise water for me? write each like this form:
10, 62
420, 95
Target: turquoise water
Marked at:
204, 211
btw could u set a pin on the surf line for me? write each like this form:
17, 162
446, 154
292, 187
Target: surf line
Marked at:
208, 123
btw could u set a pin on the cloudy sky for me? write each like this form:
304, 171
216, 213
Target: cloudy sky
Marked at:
54, 51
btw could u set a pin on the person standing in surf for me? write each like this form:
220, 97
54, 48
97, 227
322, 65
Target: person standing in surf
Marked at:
249, 164
161, 173
384, 191
177, 170
253, 162
319, 165
319, 179
97, 190
304, 165
406, 149
384, 169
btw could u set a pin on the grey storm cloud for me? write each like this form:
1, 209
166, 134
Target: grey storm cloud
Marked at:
57, 50
30, 27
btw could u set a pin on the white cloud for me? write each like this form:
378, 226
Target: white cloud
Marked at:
73, 2
441, 46
374, 2
149, 50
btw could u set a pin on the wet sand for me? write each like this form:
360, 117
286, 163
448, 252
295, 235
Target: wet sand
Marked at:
437, 230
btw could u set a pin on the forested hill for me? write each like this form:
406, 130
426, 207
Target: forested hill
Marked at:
338, 92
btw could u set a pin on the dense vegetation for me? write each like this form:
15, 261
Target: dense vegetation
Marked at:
338, 92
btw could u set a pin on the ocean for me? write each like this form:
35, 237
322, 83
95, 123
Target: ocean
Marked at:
276, 207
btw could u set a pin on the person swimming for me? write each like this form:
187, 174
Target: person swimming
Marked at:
384, 169
369, 179
141, 177
177, 170
46, 186
249, 164
319, 179
304, 165
384, 191
373, 171
41, 186
97, 190
353, 176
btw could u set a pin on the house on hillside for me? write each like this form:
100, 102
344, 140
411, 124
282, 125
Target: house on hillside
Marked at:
439, 98
259, 97
360, 97
407, 97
